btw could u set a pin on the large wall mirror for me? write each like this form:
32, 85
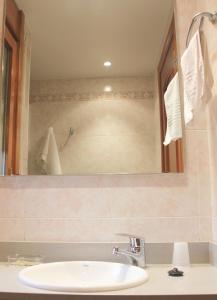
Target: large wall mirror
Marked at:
83, 87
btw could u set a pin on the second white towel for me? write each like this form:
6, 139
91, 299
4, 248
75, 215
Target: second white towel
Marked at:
173, 111
50, 155
193, 77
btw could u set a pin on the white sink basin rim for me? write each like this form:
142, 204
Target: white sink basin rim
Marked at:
83, 276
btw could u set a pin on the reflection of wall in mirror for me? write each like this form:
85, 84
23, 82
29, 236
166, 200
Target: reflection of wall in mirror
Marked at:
114, 132
24, 104
158, 146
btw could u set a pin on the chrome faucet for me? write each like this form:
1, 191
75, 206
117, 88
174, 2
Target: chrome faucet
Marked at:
135, 252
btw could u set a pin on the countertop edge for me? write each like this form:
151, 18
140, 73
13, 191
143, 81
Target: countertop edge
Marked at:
28, 296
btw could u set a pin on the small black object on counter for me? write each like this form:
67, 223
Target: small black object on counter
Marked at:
176, 273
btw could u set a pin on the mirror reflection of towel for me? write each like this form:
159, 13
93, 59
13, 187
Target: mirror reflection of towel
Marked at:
173, 111
49, 157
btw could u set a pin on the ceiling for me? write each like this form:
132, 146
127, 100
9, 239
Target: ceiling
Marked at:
73, 38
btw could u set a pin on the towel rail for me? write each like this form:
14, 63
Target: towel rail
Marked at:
212, 18
71, 132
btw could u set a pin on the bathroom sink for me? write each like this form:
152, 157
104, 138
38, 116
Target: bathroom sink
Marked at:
83, 276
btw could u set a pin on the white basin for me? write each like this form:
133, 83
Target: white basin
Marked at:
83, 276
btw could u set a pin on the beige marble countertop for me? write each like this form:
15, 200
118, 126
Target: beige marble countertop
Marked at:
198, 280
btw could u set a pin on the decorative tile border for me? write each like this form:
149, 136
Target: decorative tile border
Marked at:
129, 95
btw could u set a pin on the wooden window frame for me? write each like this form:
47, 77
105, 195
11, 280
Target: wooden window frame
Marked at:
14, 37
165, 158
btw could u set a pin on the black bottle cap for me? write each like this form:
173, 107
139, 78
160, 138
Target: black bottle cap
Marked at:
175, 273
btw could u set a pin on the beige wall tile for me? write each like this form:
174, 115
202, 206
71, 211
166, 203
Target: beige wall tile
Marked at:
11, 203
73, 230
106, 230
214, 229
152, 202
205, 229
11, 230
69, 203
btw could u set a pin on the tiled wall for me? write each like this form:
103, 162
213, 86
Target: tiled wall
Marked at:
114, 132
210, 36
209, 111
159, 207
208, 114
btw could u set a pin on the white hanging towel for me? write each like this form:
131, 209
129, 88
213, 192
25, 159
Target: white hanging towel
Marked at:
193, 77
173, 111
50, 155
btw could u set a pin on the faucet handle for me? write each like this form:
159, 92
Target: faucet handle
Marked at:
136, 243
115, 250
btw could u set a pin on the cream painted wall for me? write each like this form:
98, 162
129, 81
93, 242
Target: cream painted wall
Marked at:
160, 207
113, 132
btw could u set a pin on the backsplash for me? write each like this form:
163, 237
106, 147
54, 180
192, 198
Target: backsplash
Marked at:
162, 208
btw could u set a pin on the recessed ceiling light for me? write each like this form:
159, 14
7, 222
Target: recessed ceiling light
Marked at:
107, 64
107, 89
